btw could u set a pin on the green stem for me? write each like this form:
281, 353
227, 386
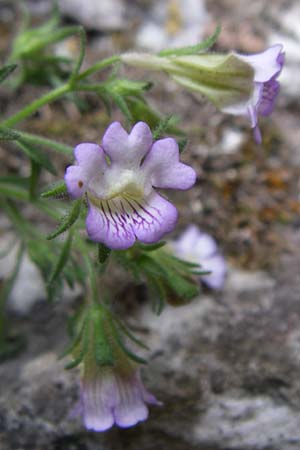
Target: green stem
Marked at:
98, 66
39, 140
34, 106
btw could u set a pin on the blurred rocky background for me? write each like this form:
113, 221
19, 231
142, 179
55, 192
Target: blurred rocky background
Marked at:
226, 366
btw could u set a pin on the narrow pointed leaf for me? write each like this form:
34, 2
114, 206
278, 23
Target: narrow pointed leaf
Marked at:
68, 220
6, 71
37, 156
194, 49
57, 190
62, 260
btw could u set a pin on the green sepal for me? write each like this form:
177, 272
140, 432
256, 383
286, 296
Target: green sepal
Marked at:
131, 336
57, 190
75, 342
68, 220
37, 156
103, 253
102, 347
164, 125
193, 49
127, 352
6, 71
84, 340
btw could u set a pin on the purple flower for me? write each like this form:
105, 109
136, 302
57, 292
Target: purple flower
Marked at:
113, 397
267, 67
200, 248
118, 180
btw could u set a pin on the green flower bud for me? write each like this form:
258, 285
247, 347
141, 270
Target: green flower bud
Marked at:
224, 79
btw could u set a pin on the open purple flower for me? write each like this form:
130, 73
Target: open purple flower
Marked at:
267, 67
118, 180
200, 248
114, 397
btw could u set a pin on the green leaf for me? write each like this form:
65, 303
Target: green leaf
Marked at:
193, 49
36, 155
6, 71
103, 253
62, 260
163, 126
33, 180
82, 37
68, 220
122, 105
13, 191
151, 247
56, 190
182, 143
8, 135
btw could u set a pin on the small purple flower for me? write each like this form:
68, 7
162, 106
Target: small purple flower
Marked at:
119, 181
113, 397
200, 248
267, 67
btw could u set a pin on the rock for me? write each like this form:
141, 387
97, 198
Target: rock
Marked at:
175, 23
93, 14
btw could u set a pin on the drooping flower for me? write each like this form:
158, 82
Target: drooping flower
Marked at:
111, 396
119, 181
237, 84
111, 389
267, 67
196, 246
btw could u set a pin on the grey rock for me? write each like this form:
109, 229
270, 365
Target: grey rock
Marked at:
93, 14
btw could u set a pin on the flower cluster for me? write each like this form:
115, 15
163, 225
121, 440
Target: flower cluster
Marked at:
119, 181
196, 246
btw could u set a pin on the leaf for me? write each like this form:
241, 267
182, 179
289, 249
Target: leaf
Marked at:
68, 220
62, 260
182, 143
193, 49
152, 247
162, 127
37, 156
6, 71
8, 135
33, 180
122, 105
56, 190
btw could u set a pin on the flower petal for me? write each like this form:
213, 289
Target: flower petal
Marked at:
127, 150
151, 218
97, 414
131, 408
205, 246
110, 224
163, 165
216, 264
76, 181
266, 64
268, 97
90, 157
